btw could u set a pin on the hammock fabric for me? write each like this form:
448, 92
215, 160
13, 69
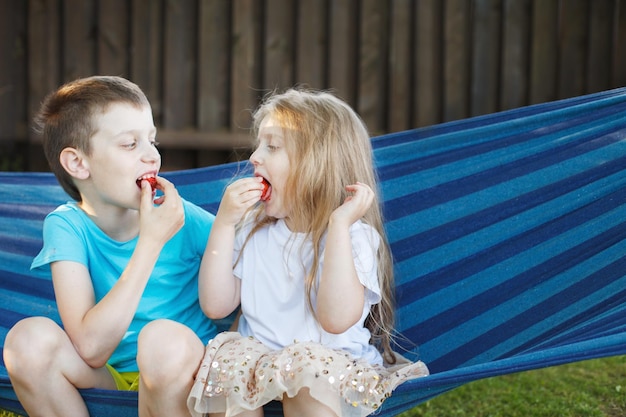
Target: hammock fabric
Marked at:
508, 232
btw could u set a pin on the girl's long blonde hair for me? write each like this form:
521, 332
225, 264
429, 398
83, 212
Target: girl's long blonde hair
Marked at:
329, 147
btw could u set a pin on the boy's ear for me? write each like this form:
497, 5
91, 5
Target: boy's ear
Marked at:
74, 163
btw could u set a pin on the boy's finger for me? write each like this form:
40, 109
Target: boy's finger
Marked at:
146, 194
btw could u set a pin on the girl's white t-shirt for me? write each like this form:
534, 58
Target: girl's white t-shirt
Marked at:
274, 303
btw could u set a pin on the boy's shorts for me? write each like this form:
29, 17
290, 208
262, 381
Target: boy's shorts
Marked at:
125, 381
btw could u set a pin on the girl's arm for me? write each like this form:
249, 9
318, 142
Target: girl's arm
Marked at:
97, 329
218, 288
341, 295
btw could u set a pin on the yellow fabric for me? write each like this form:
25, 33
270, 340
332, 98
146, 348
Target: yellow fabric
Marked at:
125, 381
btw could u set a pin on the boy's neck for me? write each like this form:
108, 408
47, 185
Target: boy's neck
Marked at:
119, 224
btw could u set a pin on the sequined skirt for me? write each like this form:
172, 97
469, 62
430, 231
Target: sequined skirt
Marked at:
239, 373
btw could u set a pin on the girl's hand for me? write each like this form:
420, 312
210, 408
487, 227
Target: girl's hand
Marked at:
355, 206
238, 198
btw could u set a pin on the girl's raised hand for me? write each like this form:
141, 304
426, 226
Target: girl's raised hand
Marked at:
355, 206
238, 198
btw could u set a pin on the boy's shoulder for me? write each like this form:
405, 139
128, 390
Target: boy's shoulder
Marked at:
69, 209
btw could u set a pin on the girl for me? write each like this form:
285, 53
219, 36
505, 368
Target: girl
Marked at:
311, 269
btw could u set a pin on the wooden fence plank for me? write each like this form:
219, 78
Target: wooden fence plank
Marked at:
600, 36
486, 46
619, 57
311, 43
428, 54
572, 63
343, 49
113, 37
43, 51
213, 81
146, 51
79, 40
44, 68
214, 65
12, 71
279, 68
515, 54
544, 51
179, 76
457, 68
400, 72
246, 62
373, 61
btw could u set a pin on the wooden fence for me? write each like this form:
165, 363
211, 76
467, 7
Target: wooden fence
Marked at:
204, 64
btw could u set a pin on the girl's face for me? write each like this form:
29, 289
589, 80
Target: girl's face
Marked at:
271, 161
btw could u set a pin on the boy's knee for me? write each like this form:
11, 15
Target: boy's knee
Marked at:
157, 341
166, 348
31, 344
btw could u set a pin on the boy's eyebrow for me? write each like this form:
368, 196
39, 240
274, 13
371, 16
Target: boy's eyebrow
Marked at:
152, 130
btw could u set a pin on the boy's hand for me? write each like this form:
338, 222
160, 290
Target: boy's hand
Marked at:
355, 206
163, 217
239, 197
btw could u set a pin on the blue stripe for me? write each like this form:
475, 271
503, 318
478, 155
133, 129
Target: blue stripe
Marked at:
423, 155
415, 202
453, 313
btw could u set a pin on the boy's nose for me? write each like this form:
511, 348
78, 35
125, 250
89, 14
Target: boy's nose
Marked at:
151, 153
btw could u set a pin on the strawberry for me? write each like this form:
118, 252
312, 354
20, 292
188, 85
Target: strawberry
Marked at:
151, 180
266, 190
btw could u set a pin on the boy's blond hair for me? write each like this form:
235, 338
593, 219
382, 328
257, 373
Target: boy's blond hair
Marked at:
66, 118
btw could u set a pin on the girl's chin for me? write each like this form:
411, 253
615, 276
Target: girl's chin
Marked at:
272, 212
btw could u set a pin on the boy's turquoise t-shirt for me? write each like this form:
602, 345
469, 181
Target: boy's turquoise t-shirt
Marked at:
172, 291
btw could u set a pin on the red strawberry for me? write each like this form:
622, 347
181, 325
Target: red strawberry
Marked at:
151, 180
266, 190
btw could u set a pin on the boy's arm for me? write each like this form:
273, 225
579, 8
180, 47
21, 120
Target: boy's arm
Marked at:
219, 289
340, 296
97, 329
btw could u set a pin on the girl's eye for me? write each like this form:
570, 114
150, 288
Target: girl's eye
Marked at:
155, 144
130, 145
272, 148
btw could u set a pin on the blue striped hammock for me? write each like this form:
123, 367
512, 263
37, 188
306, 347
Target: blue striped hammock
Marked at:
508, 232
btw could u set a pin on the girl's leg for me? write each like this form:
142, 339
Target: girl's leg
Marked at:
303, 405
46, 371
168, 356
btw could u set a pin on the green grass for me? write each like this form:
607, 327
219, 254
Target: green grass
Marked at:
595, 388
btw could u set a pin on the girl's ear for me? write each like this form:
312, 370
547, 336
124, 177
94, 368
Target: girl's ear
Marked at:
74, 163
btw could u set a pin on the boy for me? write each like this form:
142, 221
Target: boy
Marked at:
119, 259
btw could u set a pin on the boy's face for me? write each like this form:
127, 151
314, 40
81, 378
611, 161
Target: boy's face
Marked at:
123, 149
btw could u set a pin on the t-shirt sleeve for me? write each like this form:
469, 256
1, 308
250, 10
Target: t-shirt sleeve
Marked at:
62, 241
365, 242
200, 222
